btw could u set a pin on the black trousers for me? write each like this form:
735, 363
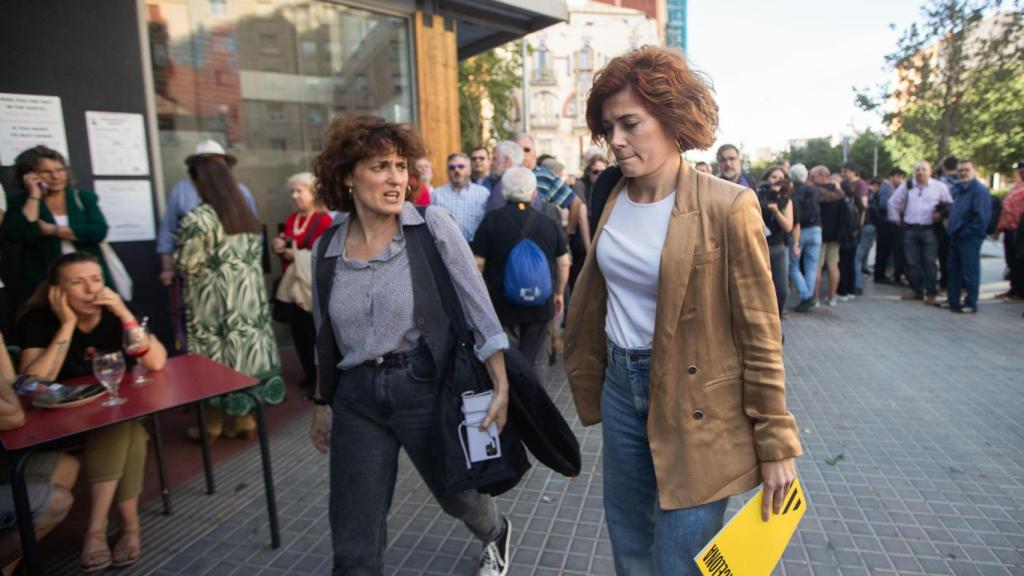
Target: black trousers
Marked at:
1014, 261
943, 237
304, 337
899, 257
847, 268
884, 249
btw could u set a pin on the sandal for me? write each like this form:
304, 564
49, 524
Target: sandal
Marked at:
127, 554
97, 559
243, 427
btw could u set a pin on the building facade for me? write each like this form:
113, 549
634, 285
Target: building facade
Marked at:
561, 68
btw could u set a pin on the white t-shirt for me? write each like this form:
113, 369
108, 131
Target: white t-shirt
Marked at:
65, 246
629, 256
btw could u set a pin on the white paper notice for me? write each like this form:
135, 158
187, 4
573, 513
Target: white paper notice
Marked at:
128, 207
117, 144
28, 120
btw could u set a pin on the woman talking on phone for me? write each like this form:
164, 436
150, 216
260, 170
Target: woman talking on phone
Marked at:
71, 318
673, 339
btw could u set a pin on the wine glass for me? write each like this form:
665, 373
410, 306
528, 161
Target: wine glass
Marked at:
109, 370
136, 342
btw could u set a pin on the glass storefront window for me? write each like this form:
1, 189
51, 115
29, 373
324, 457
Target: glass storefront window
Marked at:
264, 78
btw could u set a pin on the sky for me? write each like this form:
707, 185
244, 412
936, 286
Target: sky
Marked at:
785, 69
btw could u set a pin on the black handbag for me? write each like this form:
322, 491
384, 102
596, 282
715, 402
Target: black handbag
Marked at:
531, 413
462, 372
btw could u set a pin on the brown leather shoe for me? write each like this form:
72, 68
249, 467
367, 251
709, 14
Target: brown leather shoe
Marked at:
914, 296
929, 300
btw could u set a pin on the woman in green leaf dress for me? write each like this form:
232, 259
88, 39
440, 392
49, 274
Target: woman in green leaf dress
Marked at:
219, 254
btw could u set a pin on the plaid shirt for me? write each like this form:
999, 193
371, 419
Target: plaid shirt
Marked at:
466, 206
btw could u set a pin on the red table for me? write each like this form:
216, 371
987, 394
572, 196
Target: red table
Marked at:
185, 380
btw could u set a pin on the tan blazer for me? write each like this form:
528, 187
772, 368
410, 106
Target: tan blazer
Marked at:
717, 390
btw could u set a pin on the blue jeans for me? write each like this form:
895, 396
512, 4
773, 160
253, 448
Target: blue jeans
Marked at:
921, 248
646, 540
867, 239
964, 269
377, 410
803, 277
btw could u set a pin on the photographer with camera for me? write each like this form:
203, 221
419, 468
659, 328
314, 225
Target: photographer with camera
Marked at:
777, 211
915, 206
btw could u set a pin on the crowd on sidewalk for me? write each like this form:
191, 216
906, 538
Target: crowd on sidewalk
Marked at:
638, 248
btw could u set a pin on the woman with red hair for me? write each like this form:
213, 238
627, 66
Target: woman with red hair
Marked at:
674, 341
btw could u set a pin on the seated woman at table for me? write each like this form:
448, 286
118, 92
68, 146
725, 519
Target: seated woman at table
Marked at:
49, 477
70, 318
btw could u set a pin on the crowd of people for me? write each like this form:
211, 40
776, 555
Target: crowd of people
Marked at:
669, 282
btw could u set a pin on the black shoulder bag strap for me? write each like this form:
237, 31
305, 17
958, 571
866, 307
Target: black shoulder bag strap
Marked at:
530, 221
599, 197
326, 346
423, 241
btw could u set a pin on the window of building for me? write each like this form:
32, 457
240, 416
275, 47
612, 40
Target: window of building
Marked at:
585, 59
543, 70
245, 78
545, 110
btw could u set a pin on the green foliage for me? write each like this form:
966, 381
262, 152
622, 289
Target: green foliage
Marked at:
493, 76
862, 152
963, 85
820, 151
816, 151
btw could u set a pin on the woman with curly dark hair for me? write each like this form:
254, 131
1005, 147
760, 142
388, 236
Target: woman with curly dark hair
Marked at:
380, 338
673, 340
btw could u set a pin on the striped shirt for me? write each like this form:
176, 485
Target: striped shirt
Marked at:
552, 189
467, 206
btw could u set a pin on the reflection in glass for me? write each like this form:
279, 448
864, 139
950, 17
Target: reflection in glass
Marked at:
264, 78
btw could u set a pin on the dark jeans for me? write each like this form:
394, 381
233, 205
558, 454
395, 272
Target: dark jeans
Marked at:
965, 269
887, 233
304, 338
779, 254
379, 408
847, 268
921, 249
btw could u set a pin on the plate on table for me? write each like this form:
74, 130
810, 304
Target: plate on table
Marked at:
79, 395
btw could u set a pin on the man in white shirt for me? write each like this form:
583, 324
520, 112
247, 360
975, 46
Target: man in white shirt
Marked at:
914, 206
465, 201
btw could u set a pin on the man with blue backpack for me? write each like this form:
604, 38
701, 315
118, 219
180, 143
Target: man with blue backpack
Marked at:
525, 263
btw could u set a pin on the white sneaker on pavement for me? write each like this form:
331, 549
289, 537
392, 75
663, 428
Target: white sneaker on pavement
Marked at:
832, 302
494, 559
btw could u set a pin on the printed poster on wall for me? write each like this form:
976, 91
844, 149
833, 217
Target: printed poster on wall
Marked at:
28, 120
117, 144
128, 207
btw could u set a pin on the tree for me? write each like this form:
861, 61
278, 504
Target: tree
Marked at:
959, 87
816, 151
487, 83
862, 153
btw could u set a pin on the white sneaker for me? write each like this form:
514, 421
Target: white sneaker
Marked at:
832, 302
844, 298
494, 559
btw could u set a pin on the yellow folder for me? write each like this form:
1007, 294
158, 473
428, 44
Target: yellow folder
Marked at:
749, 546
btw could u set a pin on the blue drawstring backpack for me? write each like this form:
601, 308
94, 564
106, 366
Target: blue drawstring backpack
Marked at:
527, 271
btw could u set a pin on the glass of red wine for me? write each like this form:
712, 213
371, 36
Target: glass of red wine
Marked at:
136, 342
